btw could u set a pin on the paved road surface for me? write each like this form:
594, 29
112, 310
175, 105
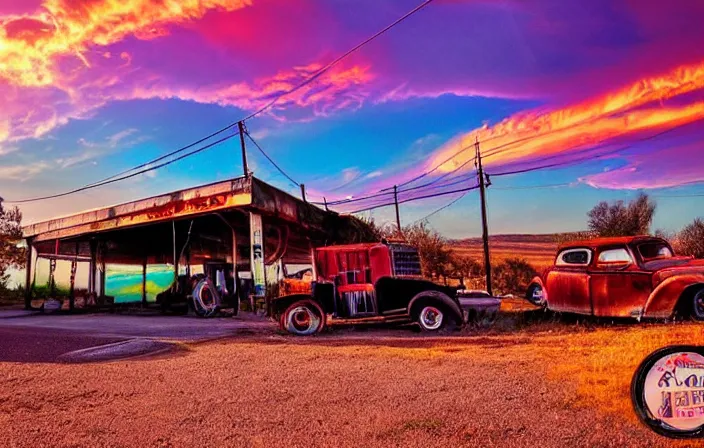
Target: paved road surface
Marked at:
27, 337
26, 344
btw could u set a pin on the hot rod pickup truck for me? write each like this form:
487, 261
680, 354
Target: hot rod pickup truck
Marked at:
639, 277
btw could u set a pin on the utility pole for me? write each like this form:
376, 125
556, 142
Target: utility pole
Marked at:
398, 216
240, 125
485, 227
303, 193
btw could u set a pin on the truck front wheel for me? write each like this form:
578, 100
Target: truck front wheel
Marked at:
431, 318
303, 318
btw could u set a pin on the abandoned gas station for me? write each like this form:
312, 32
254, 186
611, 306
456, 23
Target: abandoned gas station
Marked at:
244, 233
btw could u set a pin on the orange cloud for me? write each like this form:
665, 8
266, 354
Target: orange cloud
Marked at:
30, 44
615, 114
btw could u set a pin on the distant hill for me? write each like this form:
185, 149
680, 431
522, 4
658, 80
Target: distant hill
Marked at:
547, 238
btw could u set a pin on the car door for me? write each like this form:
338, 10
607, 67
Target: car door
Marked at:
567, 283
619, 288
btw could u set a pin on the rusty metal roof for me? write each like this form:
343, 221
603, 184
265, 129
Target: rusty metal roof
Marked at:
246, 192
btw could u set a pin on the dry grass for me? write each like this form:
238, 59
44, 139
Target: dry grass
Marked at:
517, 305
538, 250
527, 381
605, 360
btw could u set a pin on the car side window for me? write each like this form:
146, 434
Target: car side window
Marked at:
619, 255
574, 257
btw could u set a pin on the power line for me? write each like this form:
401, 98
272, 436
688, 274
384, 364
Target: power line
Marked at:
590, 157
121, 175
443, 176
552, 165
270, 159
459, 179
417, 198
166, 156
533, 187
495, 150
449, 204
327, 67
294, 89
384, 192
118, 179
351, 200
564, 163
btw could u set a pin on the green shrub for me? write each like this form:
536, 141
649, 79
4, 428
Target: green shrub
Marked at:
512, 276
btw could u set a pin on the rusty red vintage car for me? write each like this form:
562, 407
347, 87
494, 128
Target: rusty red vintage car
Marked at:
639, 277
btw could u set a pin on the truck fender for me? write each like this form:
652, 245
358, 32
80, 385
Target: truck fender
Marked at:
438, 297
662, 301
538, 280
280, 304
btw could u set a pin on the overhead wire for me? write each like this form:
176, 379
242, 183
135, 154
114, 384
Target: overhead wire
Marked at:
436, 211
534, 187
137, 173
337, 60
280, 170
620, 148
169, 154
417, 198
591, 156
429, 186
552, 165
121, 175
491, 152
386, 191
294, 89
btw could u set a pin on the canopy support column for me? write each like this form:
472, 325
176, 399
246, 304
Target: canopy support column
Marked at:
28, 276
256, 241
144, 282
93, 267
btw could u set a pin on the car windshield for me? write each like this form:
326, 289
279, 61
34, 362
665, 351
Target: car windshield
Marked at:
654, 251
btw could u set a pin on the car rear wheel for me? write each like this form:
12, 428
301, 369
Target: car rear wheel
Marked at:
431, 318
698, 305
303, 318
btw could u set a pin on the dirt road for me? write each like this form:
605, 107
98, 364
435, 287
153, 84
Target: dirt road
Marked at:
549, 384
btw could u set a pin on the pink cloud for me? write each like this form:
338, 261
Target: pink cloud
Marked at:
240, 53
671, 164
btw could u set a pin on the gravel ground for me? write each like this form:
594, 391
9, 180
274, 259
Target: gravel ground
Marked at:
348, 388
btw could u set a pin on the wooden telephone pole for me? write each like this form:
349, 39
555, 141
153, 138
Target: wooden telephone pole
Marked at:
398, 216
485, 226
240, 125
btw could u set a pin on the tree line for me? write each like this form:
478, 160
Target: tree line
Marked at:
513, 275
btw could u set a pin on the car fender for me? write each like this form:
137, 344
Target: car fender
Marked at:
440, 297
662, 301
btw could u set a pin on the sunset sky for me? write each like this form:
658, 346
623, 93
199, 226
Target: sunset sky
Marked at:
606, 96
